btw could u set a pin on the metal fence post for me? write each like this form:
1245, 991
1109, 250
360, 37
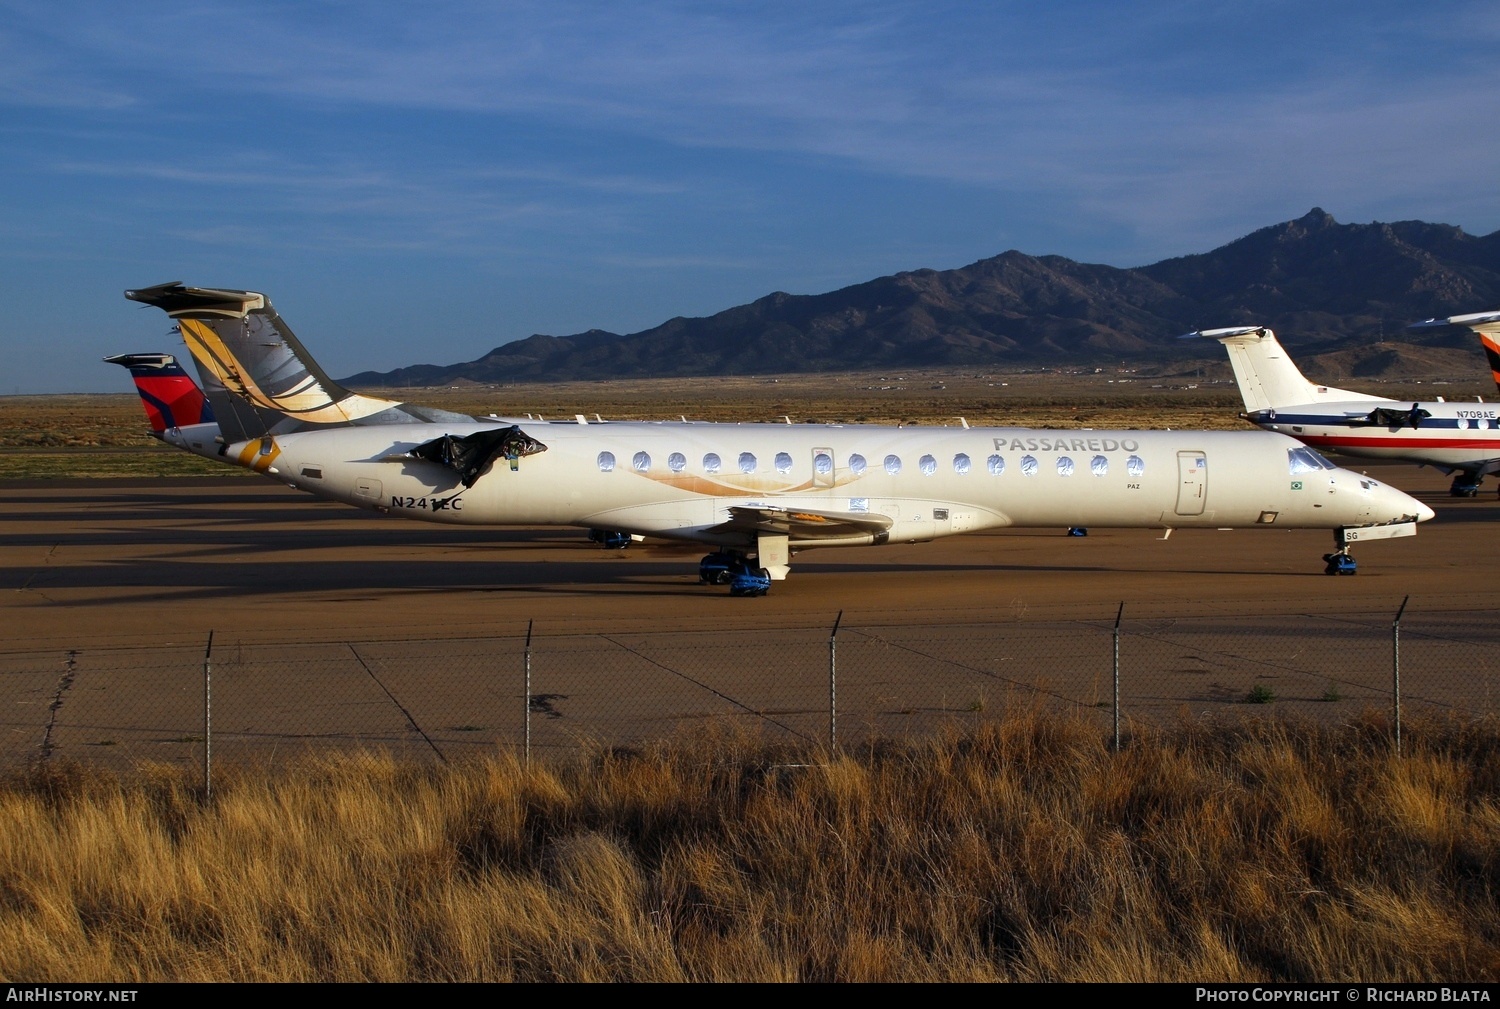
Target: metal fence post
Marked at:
1116, 705
1396, 671
526, 696
208, 708
833, 681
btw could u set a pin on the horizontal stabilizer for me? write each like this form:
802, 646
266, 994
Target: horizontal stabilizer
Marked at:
1485, 324
1219, 334
470, 455
1474, 320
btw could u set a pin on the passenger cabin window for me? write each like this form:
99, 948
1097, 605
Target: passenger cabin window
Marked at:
783, 462
857, 464
712, 462
676, 462
823, 463
606, 462
1099, 465
928, 465
1029, 466
747, 462
995, 464
961, 464
1135, 466
642, 462
893, 464
1064, 466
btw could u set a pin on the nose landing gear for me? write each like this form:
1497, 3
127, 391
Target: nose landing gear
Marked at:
1340, 563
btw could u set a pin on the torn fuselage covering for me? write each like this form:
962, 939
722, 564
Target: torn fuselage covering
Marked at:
470, 455
1386, 416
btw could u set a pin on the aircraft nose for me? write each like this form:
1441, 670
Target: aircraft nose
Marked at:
1408, 507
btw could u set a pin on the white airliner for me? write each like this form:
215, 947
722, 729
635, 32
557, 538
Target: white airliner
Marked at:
1458, 438
756, 493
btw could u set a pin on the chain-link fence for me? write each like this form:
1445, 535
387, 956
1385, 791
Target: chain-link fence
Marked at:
822, 687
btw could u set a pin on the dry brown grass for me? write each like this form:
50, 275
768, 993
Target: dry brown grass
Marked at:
1266, 851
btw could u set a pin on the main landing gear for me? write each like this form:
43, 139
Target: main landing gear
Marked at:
1465, 485
729, 567
609, 539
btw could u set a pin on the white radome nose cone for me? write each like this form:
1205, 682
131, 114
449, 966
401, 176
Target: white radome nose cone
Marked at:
1423, 512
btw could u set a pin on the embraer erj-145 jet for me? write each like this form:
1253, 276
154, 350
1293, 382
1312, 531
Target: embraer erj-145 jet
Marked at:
755, 493
1458, 438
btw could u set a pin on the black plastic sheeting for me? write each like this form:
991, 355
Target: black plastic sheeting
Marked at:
471, 454
1386, 416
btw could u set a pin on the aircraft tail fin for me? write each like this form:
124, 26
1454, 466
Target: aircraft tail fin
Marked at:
168, 393
1486, 325
1265, 373
270, 383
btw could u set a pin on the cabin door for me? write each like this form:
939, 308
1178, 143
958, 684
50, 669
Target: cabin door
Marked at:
1192, 482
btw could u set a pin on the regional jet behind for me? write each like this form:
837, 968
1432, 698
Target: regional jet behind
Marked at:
1458, 438
755, 494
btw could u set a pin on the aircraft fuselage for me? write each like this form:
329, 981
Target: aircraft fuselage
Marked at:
1450, 435
681, 480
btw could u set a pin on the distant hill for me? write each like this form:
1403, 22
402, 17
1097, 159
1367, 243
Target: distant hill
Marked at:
1337, 293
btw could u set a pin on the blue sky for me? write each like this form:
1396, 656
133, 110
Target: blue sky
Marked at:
420, 183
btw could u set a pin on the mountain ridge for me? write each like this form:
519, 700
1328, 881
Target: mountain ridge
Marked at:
1342, 290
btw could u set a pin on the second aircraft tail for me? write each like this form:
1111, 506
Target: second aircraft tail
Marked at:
169, 394
1267, 378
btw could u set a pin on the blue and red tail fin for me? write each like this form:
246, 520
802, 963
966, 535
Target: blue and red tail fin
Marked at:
169, 394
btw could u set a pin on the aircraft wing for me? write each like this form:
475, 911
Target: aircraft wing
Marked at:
802, 524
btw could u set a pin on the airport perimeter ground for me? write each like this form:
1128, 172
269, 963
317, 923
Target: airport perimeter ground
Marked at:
92, 563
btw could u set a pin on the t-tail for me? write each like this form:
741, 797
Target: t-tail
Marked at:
1486, 324
169, 394
1267, 378
256, 373
179, 412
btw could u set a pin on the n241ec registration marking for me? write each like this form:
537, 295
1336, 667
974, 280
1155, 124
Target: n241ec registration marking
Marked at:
434, 504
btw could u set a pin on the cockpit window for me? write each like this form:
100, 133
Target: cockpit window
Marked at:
1305, 460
